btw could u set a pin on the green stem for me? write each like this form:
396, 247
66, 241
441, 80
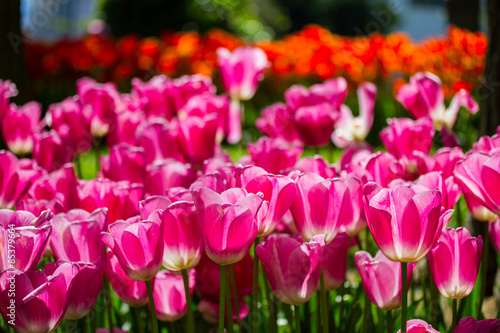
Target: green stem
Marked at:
324, 313
229, 307
297, 318
366, 313
458, 214
234, 288
78, 165
484, 272
109, 305
255, 295
342, 307
222, 298
97, 151
271, 307
390, 321
454, 316
82, 325
93, 321
154, 322
190, 319
138, 321
404, 295
358, 241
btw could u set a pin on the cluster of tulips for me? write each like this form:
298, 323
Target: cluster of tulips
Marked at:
170, 218
457, 58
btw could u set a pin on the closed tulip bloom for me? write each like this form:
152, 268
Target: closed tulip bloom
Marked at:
470, 325
17, 177
51, 151
487, 144
381, 279
228, 222
7, 90
158, 139
454, 262
320, 206
382, 168
84, 290
182, 237
404, 224
479, 176
274, 155
334, 261
131, 292
196, 137
41, 299
188, 86
162, 175
18, 125
30, 239
124, 126
155, 96
494, 230
241, 70
292, 268
316, 164
124, 162
151, 204
276, 122
76, 235
169, 295
418, 326
357, 222
138, 247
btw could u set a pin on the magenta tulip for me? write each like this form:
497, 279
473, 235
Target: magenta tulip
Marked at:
228, 222
51, 151
169, 295
454, 262
16, 178
292, 268
133, 293
138, 245
494, 230
334, 261
404, 224
188, 86
274, 155
487, 145
382, 168
158, 139
124, 162
40, 299
418, 326
470, 325
196, 138
353, 130
182, 237
124, 126
155, 96
357, 222
7, 90
18, 125
23, 239
241, 70
381, 279
320, 206
276, 122
76, 235
316, 164
162, 175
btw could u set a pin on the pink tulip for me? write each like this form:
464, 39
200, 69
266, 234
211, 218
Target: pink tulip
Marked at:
99, 102
155, 96
169, 295
40, 299
354, 225
23, 239
84, 290
354, 157
164, 174
208, 277
68, 120
76, 235
381, 279
435, 181
121, 198
403, 137
488, 145
196, 138
188, 86
292, 268
334, 261
7, 90
320, 206
36, 207
158, 139
228, 222
138, 245
479, 176
404, 224
444, 160
124, 162
241, 70
280, 192
382, 168
331, 91
316, 164
152, 203
274, 155
494, 230
51, 151
182, 237
124, 126
418, 326
470, 325
276, 122
17, 176
18, 125
454, 262
424, 97
133, 293
354, 130
58, 185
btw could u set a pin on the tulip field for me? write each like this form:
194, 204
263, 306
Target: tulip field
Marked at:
152, 209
